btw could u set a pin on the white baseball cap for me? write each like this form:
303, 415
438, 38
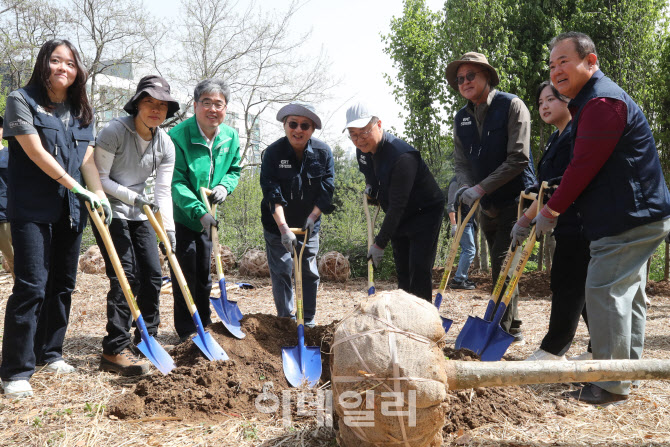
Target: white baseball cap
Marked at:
358, 115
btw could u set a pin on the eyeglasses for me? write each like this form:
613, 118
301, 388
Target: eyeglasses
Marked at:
218, 105
303, 126
362, 135
470, 77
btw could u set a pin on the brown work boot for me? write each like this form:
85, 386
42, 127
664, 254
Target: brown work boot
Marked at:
124, 363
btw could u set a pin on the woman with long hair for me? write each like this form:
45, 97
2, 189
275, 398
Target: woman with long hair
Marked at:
49, 127
571, 256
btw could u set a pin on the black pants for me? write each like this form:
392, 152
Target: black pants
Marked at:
568, 278
414, 248
497, 232
135, 244
194, 250
38, 310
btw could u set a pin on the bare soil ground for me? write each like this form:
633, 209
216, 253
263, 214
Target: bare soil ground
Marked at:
224, 403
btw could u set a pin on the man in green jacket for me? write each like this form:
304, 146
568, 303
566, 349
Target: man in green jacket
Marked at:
207, 153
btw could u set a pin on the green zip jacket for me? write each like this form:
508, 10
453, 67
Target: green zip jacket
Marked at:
197, 166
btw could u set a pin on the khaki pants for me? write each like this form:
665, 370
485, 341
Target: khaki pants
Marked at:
6, 245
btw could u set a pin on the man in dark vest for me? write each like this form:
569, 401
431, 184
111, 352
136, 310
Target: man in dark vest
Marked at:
396, 175
491, 158
616, 182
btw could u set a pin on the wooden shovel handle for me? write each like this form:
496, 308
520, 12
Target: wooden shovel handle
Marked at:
116, 263
214, 232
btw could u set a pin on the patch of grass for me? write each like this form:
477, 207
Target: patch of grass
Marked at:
249, 430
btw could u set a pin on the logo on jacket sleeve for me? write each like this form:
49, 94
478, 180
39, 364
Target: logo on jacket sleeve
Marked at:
284, 164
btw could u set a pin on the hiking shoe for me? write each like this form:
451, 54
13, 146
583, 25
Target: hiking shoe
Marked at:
186, 337
594, 395
124, 363
466, 284
541, 354
583, 356
58, 367
518, 339
17, 389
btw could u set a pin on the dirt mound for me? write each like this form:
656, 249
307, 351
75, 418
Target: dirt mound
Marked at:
212, 391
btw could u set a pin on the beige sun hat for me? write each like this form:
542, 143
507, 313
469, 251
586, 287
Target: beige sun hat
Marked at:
470, 58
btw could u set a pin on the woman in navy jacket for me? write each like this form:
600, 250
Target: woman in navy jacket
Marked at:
298, 180
571, 257
50, 133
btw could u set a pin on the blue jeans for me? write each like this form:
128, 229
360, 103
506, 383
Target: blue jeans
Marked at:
38, 310
281, 268
467, 252
615, 296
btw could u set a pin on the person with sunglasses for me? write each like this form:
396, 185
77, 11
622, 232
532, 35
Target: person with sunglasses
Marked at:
412, 201
492, 158
298, 181
207, 154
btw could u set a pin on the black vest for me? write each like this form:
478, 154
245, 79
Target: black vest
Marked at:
377, 170
555, 159
629, 190
487, 154
32, 195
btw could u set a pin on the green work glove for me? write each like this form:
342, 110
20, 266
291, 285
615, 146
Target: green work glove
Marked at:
86, 195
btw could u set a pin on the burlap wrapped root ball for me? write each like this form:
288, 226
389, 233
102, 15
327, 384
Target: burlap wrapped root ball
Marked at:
255, 263
92, 261
391, 343
334, 266
228, 259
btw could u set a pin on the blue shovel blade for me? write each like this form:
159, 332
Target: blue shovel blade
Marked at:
228, 311
497, 345
463, 335
152, 350
475, 334
205, 342
446, 324
438, 300
302, 363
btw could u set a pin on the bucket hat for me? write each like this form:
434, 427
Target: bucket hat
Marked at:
300, 109
470, 58
156, 87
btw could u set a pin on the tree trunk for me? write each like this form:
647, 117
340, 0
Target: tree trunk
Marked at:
484, 251
540, 254
549, 248
462, 375
477, 263
666, 267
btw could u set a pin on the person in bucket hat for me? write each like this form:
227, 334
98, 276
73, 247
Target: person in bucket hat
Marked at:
127, 152
397, 177
298, 181
492, 157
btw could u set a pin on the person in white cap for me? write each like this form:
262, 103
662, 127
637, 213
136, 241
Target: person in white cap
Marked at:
399, 179
298, 181
491, 158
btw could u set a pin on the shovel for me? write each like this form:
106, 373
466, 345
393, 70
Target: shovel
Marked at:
148, 346
446, 322
228, 311
488, 338
371, 224
301, 363
202, 339
463, 340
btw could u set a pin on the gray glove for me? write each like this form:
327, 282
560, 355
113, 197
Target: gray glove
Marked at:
470, 195
376, 254
142, 200
219, 194
207, 220
107, 208
309, 225
454, 227
172, 239
520, 231
288, 239
544, 222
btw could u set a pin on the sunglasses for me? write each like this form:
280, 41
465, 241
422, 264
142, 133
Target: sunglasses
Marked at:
303, 126
470, 77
